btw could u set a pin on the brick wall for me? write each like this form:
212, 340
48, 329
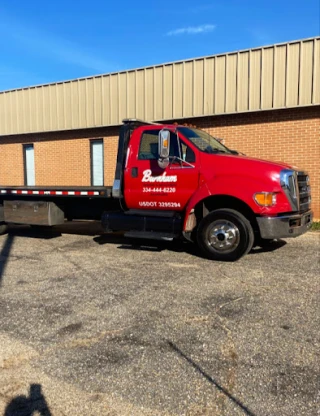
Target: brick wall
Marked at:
63, 159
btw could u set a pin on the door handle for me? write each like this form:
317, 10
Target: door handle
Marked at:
134, 172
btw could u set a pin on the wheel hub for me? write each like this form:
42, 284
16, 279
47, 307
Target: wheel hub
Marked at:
223, 235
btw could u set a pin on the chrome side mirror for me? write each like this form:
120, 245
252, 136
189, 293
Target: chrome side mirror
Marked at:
164, 148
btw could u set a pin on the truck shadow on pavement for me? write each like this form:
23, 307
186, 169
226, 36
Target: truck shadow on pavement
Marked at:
34, 404
177, 246
93, 228
271, 246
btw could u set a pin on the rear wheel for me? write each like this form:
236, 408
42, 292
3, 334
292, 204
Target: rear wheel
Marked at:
225, 235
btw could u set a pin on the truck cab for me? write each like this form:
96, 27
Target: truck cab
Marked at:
176, 181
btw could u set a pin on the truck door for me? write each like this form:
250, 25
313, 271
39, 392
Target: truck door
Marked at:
147, 186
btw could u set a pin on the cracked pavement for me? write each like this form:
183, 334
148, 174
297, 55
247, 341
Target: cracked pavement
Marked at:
103, 325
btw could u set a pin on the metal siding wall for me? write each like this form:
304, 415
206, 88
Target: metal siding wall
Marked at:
220, 85
26, 110
198, 87
168, 92
149, 93
131, 95
90, 102
68, 105
188, 89
140, 88
82, 104
122, 94
209, 86
178, 90
3, 118
292, 90
306, 68
316, 73
60, 107
32, 108
6, 111
255, 80
231, 83
74, 96
270, 77
97, 88
6, 124
267, 78
279, 87
243, 82
114, 99
158, 93
37, 108
46, 108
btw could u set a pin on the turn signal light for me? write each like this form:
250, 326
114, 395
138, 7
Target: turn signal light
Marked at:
265, 199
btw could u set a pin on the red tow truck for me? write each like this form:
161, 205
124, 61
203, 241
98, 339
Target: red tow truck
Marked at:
174, 181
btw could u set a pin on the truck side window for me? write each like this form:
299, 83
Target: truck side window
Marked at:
149, 145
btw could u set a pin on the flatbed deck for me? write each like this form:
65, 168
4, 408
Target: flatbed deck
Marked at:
59, 191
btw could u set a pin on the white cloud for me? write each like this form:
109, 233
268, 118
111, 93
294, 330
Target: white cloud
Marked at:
192, 30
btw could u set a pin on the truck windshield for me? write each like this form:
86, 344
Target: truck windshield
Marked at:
203, 140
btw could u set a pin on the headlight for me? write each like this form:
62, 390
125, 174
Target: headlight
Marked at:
265, 199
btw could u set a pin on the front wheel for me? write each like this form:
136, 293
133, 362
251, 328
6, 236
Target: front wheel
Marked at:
225, 235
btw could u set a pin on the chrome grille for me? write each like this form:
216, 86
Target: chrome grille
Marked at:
304, 191
297, 188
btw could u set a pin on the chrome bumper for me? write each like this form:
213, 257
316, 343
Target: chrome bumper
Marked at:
286, 226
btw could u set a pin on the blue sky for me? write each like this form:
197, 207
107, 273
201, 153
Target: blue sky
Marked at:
44, 42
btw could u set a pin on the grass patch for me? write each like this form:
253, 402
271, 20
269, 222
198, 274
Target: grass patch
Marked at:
315, 226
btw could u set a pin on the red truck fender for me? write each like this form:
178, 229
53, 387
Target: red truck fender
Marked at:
241, 189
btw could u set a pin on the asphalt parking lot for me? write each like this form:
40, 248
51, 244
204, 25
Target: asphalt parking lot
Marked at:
99, 325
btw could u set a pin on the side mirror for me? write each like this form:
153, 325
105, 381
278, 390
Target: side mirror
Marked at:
164, 148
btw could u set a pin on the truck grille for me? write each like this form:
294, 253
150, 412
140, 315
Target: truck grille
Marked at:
304, 192
297, 188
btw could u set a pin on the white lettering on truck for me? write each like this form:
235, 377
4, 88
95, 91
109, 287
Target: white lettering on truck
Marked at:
161, 178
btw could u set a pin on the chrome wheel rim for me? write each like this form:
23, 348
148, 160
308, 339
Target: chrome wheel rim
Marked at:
223, 236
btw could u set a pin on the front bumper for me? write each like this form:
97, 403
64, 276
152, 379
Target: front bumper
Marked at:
286, 226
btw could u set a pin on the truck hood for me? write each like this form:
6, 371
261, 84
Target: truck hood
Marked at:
215, 165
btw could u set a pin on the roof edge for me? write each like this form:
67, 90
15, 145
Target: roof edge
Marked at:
159, 65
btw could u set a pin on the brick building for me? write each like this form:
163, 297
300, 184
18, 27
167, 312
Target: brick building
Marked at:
264, 102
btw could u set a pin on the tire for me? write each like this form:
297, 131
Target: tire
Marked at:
225, 235
3, 229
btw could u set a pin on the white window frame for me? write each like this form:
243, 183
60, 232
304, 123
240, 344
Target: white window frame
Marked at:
96, 181
29, 165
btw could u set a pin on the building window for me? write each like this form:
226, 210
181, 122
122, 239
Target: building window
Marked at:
29, 172
97, 166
